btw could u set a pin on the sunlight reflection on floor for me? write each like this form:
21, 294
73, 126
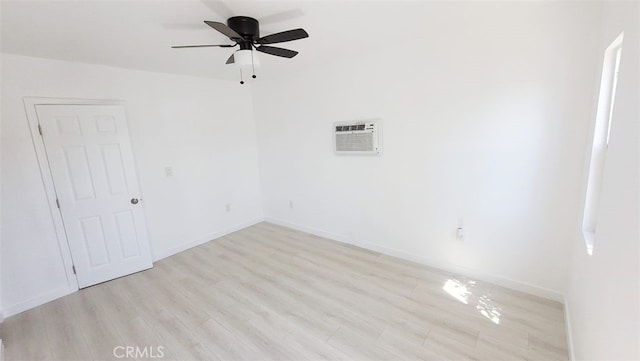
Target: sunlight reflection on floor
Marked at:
462, 291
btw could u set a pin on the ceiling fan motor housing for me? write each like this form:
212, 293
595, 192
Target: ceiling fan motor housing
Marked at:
246, 26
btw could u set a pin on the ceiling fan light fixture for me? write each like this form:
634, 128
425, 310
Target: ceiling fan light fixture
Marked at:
246, 59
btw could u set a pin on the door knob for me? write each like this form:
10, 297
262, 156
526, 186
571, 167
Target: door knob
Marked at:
134, 200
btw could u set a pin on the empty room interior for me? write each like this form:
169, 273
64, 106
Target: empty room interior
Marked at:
319, 180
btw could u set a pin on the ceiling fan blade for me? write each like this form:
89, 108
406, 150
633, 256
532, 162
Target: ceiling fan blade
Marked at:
224, 29
201, 46
285, 53
231, 60
288, 35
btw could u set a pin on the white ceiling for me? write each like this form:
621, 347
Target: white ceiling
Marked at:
138, 34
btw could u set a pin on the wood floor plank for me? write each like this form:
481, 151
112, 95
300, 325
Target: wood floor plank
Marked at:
271, 293
26, 325
66, 337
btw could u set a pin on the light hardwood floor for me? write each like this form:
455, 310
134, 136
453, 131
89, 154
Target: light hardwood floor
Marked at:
272, 293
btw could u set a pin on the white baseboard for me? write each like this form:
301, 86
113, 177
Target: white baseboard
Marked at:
502, 281
448, 267
196, 242
37, 301
50, 296
567, 322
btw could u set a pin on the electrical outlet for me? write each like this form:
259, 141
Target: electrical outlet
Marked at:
168, 172
291, 204
228, 207
460, 229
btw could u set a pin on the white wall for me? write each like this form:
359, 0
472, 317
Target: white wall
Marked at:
483, 107
203, 128
603, 298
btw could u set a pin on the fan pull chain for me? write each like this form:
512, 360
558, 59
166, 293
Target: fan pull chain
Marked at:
253, 67
241, 80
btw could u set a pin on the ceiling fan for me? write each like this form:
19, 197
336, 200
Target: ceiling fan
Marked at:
245, 32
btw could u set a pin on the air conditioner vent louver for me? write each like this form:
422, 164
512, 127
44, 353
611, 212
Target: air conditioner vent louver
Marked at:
358, 137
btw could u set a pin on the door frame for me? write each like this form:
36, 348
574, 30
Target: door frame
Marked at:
30, 104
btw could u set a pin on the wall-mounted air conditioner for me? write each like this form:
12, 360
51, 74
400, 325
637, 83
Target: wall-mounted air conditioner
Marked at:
358, 137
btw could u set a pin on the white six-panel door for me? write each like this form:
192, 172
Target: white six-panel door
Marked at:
91, 162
